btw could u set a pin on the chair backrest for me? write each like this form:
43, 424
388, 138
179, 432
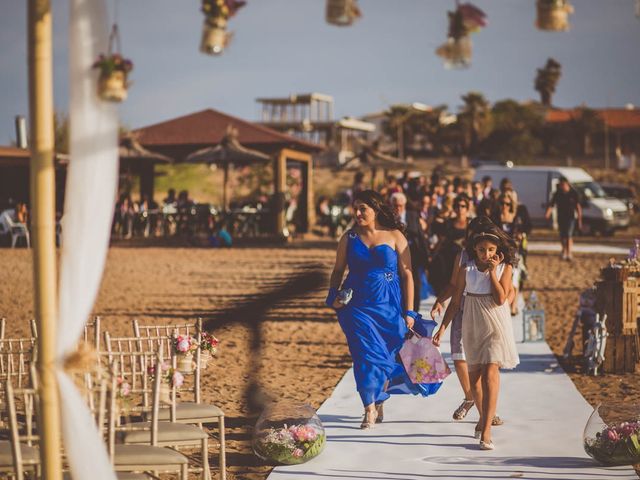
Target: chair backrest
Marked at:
143, 385
6, 220
92, 333
3, 324
194, 329
16, 355
21, 408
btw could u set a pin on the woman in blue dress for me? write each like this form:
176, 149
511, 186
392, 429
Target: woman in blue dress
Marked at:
375, 320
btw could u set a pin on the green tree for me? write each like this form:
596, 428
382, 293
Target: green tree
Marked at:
516, 131
61, 132
474, 121
547, 79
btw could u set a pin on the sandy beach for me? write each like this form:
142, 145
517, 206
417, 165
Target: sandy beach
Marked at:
302, 351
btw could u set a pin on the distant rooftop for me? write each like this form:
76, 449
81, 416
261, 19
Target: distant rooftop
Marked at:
618, 118
293, 99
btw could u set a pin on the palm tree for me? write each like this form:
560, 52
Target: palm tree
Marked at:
474, 120
547, 79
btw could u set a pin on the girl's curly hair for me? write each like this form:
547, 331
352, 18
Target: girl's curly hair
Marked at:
489, 231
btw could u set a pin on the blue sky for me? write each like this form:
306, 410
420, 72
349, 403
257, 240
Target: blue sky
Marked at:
285, 46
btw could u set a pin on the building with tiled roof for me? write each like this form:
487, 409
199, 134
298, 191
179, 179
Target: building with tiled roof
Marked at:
180, 136
614, 118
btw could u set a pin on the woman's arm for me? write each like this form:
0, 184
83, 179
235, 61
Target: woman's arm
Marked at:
338, 272
500, 287
402, 246
454, 306
448, 291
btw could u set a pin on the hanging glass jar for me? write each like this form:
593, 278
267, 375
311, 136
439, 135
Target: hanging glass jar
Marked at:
114, 70
553, 15
214, 30
342, 13
457, 50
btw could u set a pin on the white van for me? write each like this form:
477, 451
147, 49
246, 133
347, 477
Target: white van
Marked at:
535, 185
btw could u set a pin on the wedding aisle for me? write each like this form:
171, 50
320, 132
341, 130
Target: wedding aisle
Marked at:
541, 439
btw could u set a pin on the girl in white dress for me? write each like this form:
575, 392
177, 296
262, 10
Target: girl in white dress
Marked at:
487, 330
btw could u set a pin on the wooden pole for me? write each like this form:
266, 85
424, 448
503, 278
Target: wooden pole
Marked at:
225, 187
43, 225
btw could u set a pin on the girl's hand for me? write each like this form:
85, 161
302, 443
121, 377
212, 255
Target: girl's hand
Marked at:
409, 321
436, 310
438, 337
495, 261
337, 305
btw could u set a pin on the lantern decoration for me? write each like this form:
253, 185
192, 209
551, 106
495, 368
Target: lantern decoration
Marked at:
342, 13
465, 20
638, 9
214, 31
533, 320
114, 70
553, 15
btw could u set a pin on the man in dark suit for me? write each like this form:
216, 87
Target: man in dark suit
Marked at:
417, 243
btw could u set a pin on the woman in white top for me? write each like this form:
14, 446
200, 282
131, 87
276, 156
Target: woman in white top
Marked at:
486, 322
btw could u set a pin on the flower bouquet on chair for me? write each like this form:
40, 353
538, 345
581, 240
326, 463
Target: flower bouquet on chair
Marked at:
170, 378
208, 348
185, 346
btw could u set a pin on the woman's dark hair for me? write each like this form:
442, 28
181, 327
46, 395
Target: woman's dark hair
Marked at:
385, 215
489, 231
462, 198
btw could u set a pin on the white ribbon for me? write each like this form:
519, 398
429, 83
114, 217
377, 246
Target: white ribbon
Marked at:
92, 177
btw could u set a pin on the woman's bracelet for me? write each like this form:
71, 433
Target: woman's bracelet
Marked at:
412, 314
331, 297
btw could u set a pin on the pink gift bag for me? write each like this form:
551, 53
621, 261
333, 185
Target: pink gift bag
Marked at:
423, 361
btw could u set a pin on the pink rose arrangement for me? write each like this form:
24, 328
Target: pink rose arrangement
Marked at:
290, 444
209, 343
185, 344
617, 444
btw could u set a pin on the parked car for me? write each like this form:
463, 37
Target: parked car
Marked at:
535, 185
624, 193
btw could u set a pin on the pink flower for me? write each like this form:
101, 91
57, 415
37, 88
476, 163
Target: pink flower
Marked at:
612, 435
125, 389
177, 379
297, 453
183, 345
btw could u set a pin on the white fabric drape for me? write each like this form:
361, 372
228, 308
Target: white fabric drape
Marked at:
92, 177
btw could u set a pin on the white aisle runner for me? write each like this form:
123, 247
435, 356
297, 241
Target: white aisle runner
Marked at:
541, 439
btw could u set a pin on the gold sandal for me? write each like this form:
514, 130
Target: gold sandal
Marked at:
463, 409
380, 412
496, 421
366, 423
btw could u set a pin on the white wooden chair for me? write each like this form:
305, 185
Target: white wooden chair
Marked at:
134, 460
20, 455
133, 367
194, 411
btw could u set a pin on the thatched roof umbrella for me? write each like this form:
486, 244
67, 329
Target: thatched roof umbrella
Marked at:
136, 159
371, 157
228, 152
130, 149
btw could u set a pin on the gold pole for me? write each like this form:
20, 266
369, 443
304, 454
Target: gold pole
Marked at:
42, 186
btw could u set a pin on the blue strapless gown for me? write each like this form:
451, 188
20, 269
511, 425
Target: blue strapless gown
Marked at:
373, 322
